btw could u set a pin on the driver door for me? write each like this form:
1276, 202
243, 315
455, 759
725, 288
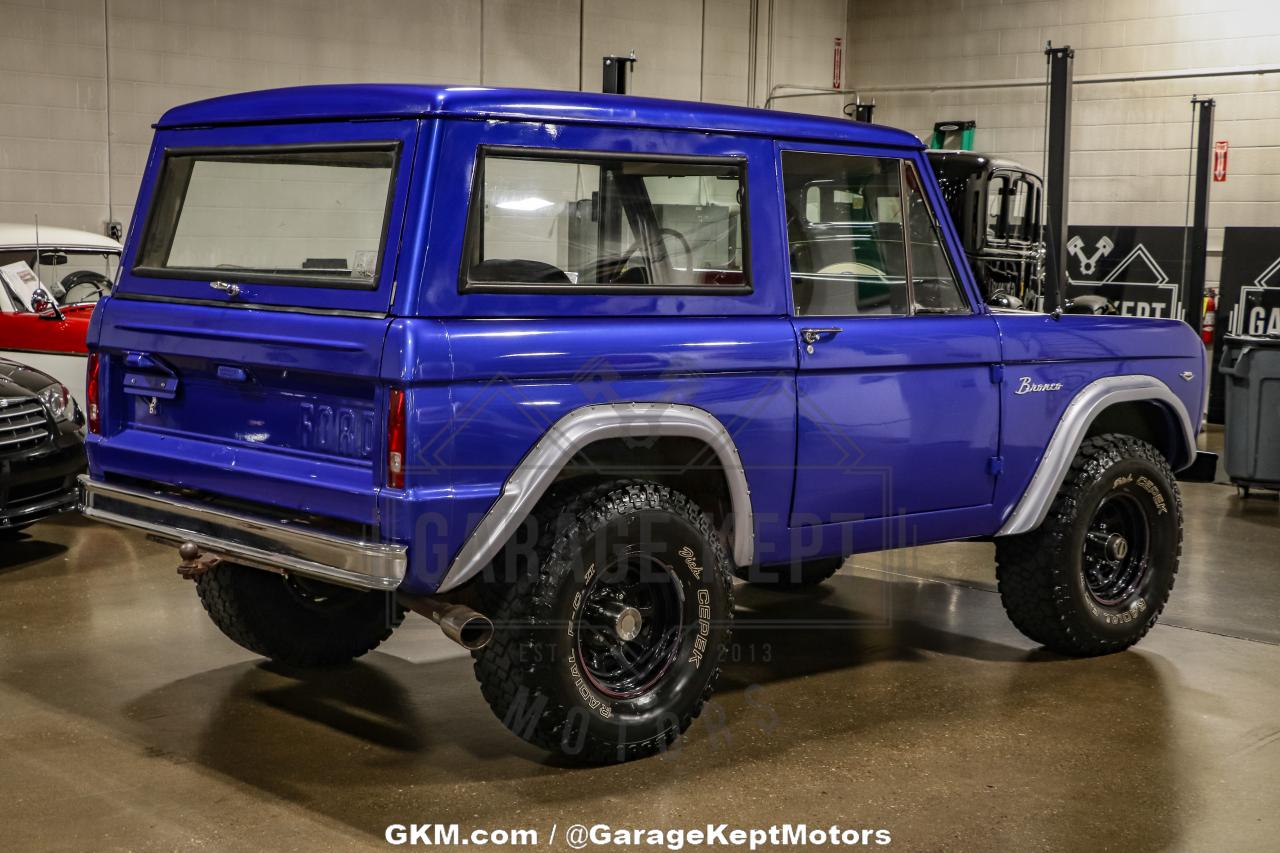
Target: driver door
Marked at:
897, 412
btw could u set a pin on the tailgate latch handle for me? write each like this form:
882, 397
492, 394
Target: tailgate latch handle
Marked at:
232, 290
232, 374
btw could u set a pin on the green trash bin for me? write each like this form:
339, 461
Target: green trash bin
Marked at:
1251, 366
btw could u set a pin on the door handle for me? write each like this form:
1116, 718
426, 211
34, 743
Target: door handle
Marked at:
812, 336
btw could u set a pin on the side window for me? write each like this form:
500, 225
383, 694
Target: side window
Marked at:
540, 220
1019, 221
996, 192
934, 287
845, 234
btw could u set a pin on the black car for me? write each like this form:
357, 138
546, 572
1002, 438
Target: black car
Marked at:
996, 205
41, 447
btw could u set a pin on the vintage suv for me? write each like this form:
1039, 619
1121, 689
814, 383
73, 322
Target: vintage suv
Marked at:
552, 368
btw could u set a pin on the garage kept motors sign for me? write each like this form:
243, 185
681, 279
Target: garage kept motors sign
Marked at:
1249, 295
1138, 269
1250, 281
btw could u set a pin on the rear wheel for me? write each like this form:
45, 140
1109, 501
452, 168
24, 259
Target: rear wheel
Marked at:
609, 639
1094, 577
295, 620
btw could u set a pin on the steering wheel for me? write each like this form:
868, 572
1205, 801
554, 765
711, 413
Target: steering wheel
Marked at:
95, 284
663, 232
851, 268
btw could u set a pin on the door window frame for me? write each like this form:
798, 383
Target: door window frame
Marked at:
905, 160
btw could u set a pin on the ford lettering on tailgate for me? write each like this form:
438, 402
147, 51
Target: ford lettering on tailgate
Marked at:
336, 430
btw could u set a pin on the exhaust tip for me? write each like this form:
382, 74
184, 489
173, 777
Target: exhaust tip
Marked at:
474, 633
469, 629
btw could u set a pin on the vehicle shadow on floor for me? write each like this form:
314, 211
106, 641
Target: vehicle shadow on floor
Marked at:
895, 685
902, 685
22, 551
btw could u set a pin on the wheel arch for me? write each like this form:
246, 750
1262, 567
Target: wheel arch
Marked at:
687, 441
1138, 405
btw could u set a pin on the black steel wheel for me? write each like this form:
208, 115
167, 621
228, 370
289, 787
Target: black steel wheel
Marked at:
1117, 549
629, 625
609, 634
1096, 574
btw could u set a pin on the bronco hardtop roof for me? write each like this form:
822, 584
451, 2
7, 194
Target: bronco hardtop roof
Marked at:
387, 100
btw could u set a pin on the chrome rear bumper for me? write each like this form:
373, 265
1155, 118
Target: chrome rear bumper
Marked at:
244, 539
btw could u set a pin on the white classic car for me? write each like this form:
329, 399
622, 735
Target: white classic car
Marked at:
48, 287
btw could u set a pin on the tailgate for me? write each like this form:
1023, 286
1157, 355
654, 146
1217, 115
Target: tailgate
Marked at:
282, 409
239, 354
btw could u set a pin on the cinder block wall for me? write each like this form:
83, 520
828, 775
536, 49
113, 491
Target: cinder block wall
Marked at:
1130, 140
82, 80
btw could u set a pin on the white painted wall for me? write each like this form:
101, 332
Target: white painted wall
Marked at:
1129, 140
81, 81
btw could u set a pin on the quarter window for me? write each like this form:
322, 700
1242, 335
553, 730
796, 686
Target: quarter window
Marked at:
934, 289
605, 223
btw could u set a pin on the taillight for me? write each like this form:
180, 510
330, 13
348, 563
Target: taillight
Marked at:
94, 413
395, 439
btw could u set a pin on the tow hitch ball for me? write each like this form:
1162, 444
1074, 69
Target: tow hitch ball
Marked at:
194, 563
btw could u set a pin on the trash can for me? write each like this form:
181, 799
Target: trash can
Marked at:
1251, 368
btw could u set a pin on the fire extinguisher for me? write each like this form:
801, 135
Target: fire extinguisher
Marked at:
1210, 309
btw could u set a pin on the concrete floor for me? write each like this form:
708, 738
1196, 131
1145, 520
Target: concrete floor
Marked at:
896, 696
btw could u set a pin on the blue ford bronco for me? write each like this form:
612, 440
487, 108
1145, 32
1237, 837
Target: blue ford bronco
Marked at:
552, 368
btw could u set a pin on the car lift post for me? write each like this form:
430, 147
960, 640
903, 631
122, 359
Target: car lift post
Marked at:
609, 216
1198, 239
615, 73
1058, 150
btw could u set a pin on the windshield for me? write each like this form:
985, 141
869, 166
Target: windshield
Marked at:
302, 216
69, 276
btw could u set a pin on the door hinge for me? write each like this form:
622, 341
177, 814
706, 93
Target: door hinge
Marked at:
995, 465
997, 374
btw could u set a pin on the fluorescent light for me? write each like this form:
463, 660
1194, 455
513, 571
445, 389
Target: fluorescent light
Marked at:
526, 204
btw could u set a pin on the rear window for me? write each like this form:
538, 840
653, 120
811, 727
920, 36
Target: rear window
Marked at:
599, 223
276, 215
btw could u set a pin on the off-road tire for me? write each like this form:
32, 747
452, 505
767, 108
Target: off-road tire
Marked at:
786, 577
1044, 576
536, 676
296, 622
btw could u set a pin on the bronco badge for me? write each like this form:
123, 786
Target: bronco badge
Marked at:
1026, 386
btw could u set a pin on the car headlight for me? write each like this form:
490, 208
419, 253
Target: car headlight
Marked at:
58, 401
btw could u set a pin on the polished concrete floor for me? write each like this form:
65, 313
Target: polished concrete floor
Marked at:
896, 696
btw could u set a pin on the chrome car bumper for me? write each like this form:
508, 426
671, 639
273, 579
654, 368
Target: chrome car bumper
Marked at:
244, 539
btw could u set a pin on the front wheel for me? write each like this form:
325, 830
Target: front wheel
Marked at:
609, 638
1094, 577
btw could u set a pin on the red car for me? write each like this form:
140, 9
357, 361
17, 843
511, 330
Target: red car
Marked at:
48, 288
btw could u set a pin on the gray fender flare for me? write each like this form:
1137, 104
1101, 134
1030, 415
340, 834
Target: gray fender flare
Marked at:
1079, 415
577, 429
